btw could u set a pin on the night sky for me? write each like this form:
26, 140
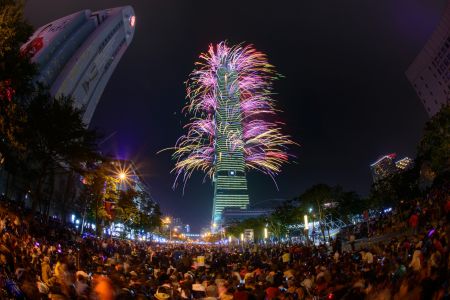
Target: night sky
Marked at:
344, 97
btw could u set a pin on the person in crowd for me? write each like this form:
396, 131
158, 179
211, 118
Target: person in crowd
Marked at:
46, 271
39, 263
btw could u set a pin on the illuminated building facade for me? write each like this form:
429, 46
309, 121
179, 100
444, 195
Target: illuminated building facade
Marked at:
404, 164
77, 54
230, 182
383, 167
430, 71
387, 166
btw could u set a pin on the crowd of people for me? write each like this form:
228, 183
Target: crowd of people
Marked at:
42, 259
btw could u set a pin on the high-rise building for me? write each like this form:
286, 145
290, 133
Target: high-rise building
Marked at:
430, 71
404, 164
383, 167
77, 54
230, 182
386, 166
232, 127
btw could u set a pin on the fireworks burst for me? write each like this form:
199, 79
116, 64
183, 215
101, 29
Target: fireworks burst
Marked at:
241, 75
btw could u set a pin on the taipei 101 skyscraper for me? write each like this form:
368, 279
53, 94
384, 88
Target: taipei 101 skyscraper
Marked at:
232, 128
230, 183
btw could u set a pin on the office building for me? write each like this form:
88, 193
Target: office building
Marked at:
383, 167
230, 181
430, 71
386, 166
77, 54
404, 164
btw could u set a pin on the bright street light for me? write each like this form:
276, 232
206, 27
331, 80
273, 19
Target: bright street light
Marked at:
306, 222
122, 176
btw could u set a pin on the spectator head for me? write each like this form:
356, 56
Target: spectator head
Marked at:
211, 291
198, 291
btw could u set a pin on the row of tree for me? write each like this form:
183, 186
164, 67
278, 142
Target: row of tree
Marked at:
431, 171
317, 202
45, 147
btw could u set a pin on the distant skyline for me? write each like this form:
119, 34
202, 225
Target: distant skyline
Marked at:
345, 97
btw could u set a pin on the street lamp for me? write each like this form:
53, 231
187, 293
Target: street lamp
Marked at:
175, 230
122, 176
306, 228
306, 222
122, 173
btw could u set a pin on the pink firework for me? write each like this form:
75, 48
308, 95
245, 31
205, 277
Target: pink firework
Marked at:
260, 139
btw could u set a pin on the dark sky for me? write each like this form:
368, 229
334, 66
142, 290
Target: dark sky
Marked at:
345, 96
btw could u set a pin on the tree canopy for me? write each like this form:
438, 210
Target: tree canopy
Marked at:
434, 146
